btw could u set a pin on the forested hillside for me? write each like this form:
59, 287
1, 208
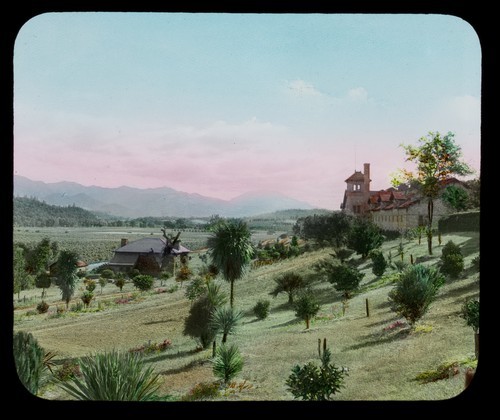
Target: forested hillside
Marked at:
31, 212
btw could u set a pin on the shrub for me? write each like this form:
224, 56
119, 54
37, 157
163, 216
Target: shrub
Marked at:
87, 297
28, 357
69, 370
261, 309
379, 263
227, 363
470, 312
345, 279
113, 376
120, 282
452, 260
196, 325
76, 307
149, 347
90, 285
107, 273
42, 307
415, 290
195, 288
183, 274
203, 391
288, 283
313, 383
224, 320
143, 282
306, 307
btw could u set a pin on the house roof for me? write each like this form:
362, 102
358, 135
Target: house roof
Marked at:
357, 176
146, 245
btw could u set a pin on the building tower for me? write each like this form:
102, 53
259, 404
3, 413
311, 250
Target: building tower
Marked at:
357, 192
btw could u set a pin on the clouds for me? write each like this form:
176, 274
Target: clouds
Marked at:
300, 87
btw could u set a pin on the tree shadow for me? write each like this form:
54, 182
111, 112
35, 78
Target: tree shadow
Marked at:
162, 321
386, 304
470, 246
370, 341
188, 366
461, 290
287, 323
382, 322
170, 356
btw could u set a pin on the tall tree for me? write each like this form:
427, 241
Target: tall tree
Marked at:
19, 270
66, 274
231, 250
436, 158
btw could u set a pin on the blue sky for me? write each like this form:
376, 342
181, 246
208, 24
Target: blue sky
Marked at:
224, 104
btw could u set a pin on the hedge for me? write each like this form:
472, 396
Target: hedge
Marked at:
460, 222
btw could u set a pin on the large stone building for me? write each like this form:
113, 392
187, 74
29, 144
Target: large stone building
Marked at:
391, 209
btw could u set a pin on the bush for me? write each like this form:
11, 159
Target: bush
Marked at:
306, 307
143, 282
120, 282
28, 357
203, 391
69, 370
261, 309
313, 383
452, 260
195, 288
227, 363
107, 273
345, 279
470, 312
89, 285
42, 307
87, 298
415, 290
113, 376
379, 263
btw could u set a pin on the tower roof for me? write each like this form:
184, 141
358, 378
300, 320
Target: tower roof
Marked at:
357, 176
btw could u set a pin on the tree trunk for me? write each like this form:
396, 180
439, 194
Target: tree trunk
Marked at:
224, 338
476, 344
290, 298
307, 323
430, 213
231, 296
214, 347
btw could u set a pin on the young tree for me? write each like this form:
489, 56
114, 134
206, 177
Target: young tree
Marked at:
224, 320
44, 253
143, 282
379, 263
415, 290
364, 237
43, 282
452, 260
289, 283
66, 274
326, 229
437, 158
470, 312
227, 363
345, 278
306, 307
19, 270
231, 250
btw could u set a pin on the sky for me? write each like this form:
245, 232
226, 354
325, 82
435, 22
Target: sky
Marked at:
227, 104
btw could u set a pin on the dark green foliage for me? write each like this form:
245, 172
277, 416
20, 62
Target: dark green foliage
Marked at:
231, 250
261, 309
306, 307
147, 265
120, 282
66, 274
325, 229
474, 193
452, 261
227, 363
89, 285
364, 237
42, 307
31, 212
343, 254
470, 312
345, 278
183, 274
475, 264
143, 282
197, 323
379, 263
113, 376
70, 369
43, 281
87, 298
107, 273
195, 288
289, 283
29, 358
455, 197
224, 320
313, 383
415, 290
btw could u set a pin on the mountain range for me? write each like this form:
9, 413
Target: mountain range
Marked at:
131, 202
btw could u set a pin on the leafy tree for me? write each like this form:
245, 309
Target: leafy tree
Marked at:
415, 290
452, 260
66, 274
113, 376
120, 282
379, 263
43, 281
437, 158
107, 274
327, 229
227, 363
143, 282
19, 270
231, 250
455, 197
224, 320
196, 288
345, 278
306, 307
364, 237
183, 274
474, 193
261, 309
87, 297
313, 383
289, 283
470, 312
102, 282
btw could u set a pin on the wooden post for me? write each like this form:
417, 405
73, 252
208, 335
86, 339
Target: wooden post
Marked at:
324, 344
367, 305
214, 345
476, 344
319, 347
411, 259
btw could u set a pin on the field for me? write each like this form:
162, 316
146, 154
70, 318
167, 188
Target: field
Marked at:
382, 362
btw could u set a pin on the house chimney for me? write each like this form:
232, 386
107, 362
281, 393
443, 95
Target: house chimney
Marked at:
124, 241
366, 169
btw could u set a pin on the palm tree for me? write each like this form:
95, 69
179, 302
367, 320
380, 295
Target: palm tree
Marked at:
231, 250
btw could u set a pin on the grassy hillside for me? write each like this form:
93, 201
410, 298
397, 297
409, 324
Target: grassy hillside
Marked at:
382, 362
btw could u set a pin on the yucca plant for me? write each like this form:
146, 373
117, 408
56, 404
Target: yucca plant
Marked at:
29, 358
113, 376
227, 363
224, 320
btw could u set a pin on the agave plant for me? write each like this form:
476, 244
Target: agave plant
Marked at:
113, 376
224, 320
227, 363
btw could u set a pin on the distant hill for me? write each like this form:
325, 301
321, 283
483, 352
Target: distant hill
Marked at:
32, 212
127, 202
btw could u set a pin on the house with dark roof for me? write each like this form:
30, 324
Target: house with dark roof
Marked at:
391, 209
149, 255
